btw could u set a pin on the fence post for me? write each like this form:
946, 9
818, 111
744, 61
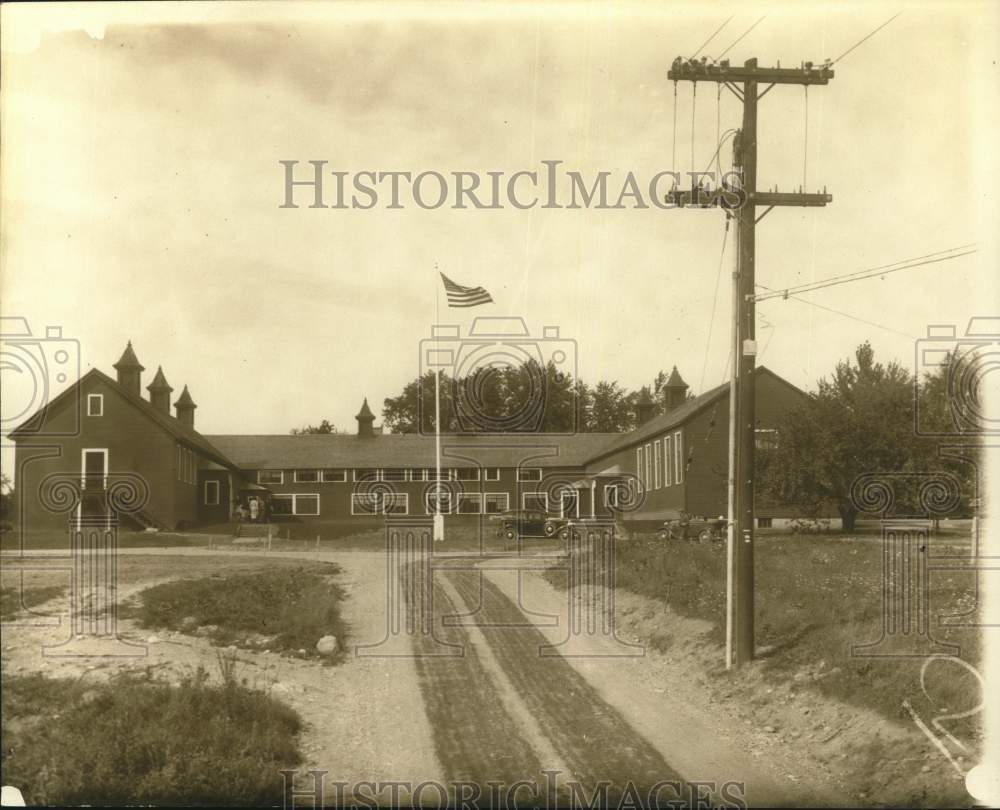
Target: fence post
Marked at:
268, 538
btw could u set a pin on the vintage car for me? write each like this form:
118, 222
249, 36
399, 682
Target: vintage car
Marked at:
683, 526
529, 523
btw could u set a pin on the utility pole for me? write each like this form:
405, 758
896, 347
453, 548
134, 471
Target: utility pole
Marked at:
743, 82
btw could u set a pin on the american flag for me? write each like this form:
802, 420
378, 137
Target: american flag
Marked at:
459, 296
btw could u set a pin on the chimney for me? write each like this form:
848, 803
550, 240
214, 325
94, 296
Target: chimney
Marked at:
185, 408
366, 421
644, 406
675, 391
130, 371
159, 392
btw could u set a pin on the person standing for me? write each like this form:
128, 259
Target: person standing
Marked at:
253, 510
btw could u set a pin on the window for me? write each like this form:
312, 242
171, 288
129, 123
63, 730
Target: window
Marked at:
496, 502
656, 464
638, 466
764, 523
467, 474
535, 501
380, 503
491, 474
647, 478
285, 504
95, 404
766, 438
187, 466
211, 493
668, 462
678, 458
529, 473
334, 476
418, 474
306, 476
431, 474
367, 475
470, 503
395, 475
270, 477
438, 502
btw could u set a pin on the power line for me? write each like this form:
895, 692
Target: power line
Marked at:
865, 38
715, 301
717, 30
740, 37
844, 314
883, 270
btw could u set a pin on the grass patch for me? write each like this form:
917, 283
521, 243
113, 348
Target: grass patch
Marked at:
138, 741
285, 609
14, 600
816, 597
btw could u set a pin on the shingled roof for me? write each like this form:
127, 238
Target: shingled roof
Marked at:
318, 451
177, 429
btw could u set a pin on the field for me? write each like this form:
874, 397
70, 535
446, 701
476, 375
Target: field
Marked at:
817, 596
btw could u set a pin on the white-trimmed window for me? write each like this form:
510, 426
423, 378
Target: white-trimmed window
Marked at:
668, 462
535, 501
306, 503
270, 476
529, 473
470, 503
395, 475
491, 474
431, 474
380, 503
306, 476
187, 465
418, 474
496, 502
678, 457
95, 404
436, 502
367, 475
766, 438
638, 466
657, 458
211, 493
334, 476
467, 474
647, 476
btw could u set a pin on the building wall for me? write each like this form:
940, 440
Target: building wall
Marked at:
135, 445
335, 498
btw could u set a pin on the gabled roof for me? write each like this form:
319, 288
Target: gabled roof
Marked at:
318, 451
663, 422
175, 428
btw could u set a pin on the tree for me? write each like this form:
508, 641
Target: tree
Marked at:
323, 427
612, 410
861, 420
6, 498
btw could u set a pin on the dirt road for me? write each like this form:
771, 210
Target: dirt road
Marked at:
481, 693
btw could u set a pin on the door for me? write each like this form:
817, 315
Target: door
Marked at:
93, 503
569, 503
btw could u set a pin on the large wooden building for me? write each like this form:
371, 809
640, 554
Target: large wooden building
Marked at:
675, 460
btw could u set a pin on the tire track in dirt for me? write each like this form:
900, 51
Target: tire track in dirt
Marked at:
590, 736
476, 739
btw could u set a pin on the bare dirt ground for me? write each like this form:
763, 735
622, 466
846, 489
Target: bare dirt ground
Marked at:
488, 699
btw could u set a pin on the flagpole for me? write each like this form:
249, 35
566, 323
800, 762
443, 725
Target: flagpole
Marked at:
438, 517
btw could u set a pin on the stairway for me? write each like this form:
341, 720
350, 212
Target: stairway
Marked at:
144, 521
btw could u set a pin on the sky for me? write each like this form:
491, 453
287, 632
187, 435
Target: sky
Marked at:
141, 188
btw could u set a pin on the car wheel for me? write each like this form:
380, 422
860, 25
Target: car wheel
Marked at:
549, 530
564, 534
705, 536
664, 535
510, 535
